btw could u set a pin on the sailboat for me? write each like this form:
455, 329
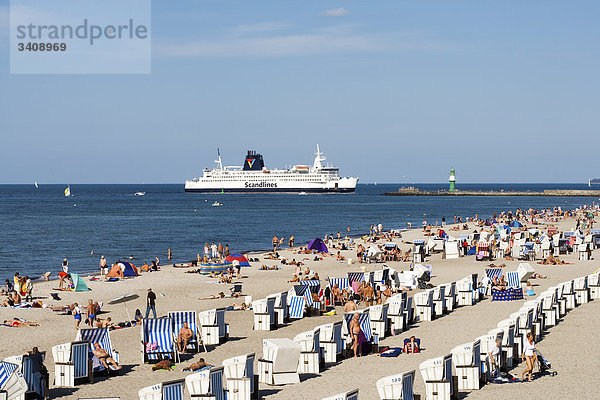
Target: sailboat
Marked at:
68, 191
35, 184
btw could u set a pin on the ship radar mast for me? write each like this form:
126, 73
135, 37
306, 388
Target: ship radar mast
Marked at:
218, 160
318, 159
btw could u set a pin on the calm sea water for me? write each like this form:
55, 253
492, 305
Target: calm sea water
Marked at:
39, 227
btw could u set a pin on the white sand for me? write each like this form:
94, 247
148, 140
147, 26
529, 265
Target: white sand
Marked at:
571, 346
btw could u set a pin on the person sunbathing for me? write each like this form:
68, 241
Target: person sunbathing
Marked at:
184, 337
164, 364
340, 257
197, 365
17, 323
294, 279
104, 357
104, 323
239, 307
411, 346
498, 283
220, 295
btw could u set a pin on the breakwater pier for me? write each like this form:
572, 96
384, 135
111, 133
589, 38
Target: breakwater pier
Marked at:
412, 191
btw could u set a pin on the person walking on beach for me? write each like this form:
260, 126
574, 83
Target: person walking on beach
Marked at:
151, 303
76, 315
355, 329
169, 254
291, 242
530, 356
275, 243
220, 249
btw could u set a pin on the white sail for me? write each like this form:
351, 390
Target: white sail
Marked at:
35, 184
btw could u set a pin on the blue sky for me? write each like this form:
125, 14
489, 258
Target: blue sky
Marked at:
393, 91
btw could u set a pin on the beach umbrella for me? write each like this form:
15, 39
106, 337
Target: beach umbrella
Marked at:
124, 298
318, 245
241, 260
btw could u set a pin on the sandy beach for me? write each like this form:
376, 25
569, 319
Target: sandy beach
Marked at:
178, 291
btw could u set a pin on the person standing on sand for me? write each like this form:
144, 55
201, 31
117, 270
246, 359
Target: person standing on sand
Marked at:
76, 315
213, 250
151, 303
169, 254
275, 242
65, 266
530, 356
226, 251
355, 329
102, 265
291, 242
91, 312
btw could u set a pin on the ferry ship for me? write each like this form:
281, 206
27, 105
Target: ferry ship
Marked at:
254, 177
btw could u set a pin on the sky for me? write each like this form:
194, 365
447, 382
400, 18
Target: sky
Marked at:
392, 91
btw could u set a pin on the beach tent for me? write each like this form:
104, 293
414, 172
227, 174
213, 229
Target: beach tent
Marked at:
318, 245
122, 269
242, 261
79, 284
516, 224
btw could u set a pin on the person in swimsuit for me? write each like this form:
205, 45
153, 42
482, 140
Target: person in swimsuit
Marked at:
76, 315
355, 330
104, 357
185, 335
91, 312
530, 356
411, 346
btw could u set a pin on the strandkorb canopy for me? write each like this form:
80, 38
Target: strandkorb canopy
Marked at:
318, 245
241, 260
516, 224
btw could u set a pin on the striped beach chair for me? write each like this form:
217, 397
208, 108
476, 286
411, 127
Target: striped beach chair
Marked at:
12, 382
342, 283
363, 320
177, 320
172, 390
206, 384
241, 383
483, 251
350, 395
493, 273
512, 280
297, 304
157, 340
36, 380
304, 291
101, 336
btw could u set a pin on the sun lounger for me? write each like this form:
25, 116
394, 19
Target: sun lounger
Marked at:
525, 271
466, 359
264, 314
487, 344
582, 293
206, 384
72, 364
12, 382
378, 315
424, 306
330, 340
177, 320
408, 311
351, 395
451, 250
279, 365
213, 328
280, 307
172, 390
310, 350
525, 325
537, 318
465, 292
101, 336
483, 251
437, 375
508, 326
397, 387
241, 383
157, 340
550, 307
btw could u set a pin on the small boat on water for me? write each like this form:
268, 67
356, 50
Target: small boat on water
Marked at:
217, 204
68, 191
36, 185
140, 193
302, 194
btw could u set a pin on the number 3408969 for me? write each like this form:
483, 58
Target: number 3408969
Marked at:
42, 46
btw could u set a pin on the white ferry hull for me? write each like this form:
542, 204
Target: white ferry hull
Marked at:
343, 185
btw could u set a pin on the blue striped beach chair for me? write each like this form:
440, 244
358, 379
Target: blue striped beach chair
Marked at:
177, 320
157, 340
512, 279
297, 304
172, 390
350, 395
206, 384
12, 382
342, 283
363, 320
304, 291
493, 273
101, 336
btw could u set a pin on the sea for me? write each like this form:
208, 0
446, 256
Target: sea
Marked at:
40, 226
